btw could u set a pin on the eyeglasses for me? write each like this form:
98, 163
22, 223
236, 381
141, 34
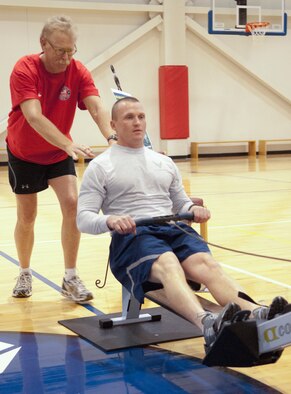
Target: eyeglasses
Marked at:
62, 51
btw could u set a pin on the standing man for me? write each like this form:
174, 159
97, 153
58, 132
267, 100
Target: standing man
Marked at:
45, 89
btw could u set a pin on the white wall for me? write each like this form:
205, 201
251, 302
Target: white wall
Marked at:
227, 100
228, 103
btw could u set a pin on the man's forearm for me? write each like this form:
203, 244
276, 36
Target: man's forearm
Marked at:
99, 114
91, 223
32, 112
50, 132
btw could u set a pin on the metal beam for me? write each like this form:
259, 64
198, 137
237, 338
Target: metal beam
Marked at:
82, 5
124, 43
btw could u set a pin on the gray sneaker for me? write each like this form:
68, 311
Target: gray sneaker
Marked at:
276, 308
74, 289
213, 323
23, 286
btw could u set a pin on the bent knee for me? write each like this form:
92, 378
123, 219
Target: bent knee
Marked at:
166, 264
202, 262
208, 261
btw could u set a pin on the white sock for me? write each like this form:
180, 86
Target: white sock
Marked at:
70, 273
25, 270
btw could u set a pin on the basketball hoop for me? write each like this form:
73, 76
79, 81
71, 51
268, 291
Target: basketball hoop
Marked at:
257, 29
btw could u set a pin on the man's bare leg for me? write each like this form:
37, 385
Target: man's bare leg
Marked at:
24, 229
24, 240
206, 270
168, 271
202, 268
65, 188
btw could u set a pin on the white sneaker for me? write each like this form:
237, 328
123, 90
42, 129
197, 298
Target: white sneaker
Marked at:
23, 286
276, 308
74, 289
213, 323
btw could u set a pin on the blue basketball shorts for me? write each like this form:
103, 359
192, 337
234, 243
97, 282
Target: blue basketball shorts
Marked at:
132, 255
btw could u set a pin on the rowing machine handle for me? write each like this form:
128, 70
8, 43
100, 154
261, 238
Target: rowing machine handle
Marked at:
146, 221
116, 80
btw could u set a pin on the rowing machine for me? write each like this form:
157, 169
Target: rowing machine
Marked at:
241, 343
160, 324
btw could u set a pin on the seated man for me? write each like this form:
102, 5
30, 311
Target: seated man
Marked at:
129, 181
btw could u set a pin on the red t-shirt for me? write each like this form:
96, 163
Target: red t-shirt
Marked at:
59, 94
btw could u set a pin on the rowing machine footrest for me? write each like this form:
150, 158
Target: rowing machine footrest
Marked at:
237, 346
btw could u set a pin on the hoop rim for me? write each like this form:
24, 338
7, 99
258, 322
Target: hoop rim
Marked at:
250, 26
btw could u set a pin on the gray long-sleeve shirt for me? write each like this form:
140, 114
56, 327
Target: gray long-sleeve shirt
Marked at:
126, 181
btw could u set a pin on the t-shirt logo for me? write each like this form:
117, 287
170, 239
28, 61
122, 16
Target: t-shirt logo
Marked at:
65, 93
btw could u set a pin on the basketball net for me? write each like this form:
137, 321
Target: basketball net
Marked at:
257, 29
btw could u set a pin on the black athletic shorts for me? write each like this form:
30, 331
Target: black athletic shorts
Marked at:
27, 178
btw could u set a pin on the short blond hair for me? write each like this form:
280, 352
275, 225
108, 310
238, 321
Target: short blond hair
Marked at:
116, 105
61, 23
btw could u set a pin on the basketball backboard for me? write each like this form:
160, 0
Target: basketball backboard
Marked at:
231, 16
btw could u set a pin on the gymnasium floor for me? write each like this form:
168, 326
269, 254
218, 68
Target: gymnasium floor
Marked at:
250, 204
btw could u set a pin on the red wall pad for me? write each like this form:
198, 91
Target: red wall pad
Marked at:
174, 102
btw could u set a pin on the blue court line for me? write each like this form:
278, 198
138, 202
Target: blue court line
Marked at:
90, 307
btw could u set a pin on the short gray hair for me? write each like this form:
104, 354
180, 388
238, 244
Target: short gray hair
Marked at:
61, 23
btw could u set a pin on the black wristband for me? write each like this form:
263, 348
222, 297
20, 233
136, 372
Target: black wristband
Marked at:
112, 137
